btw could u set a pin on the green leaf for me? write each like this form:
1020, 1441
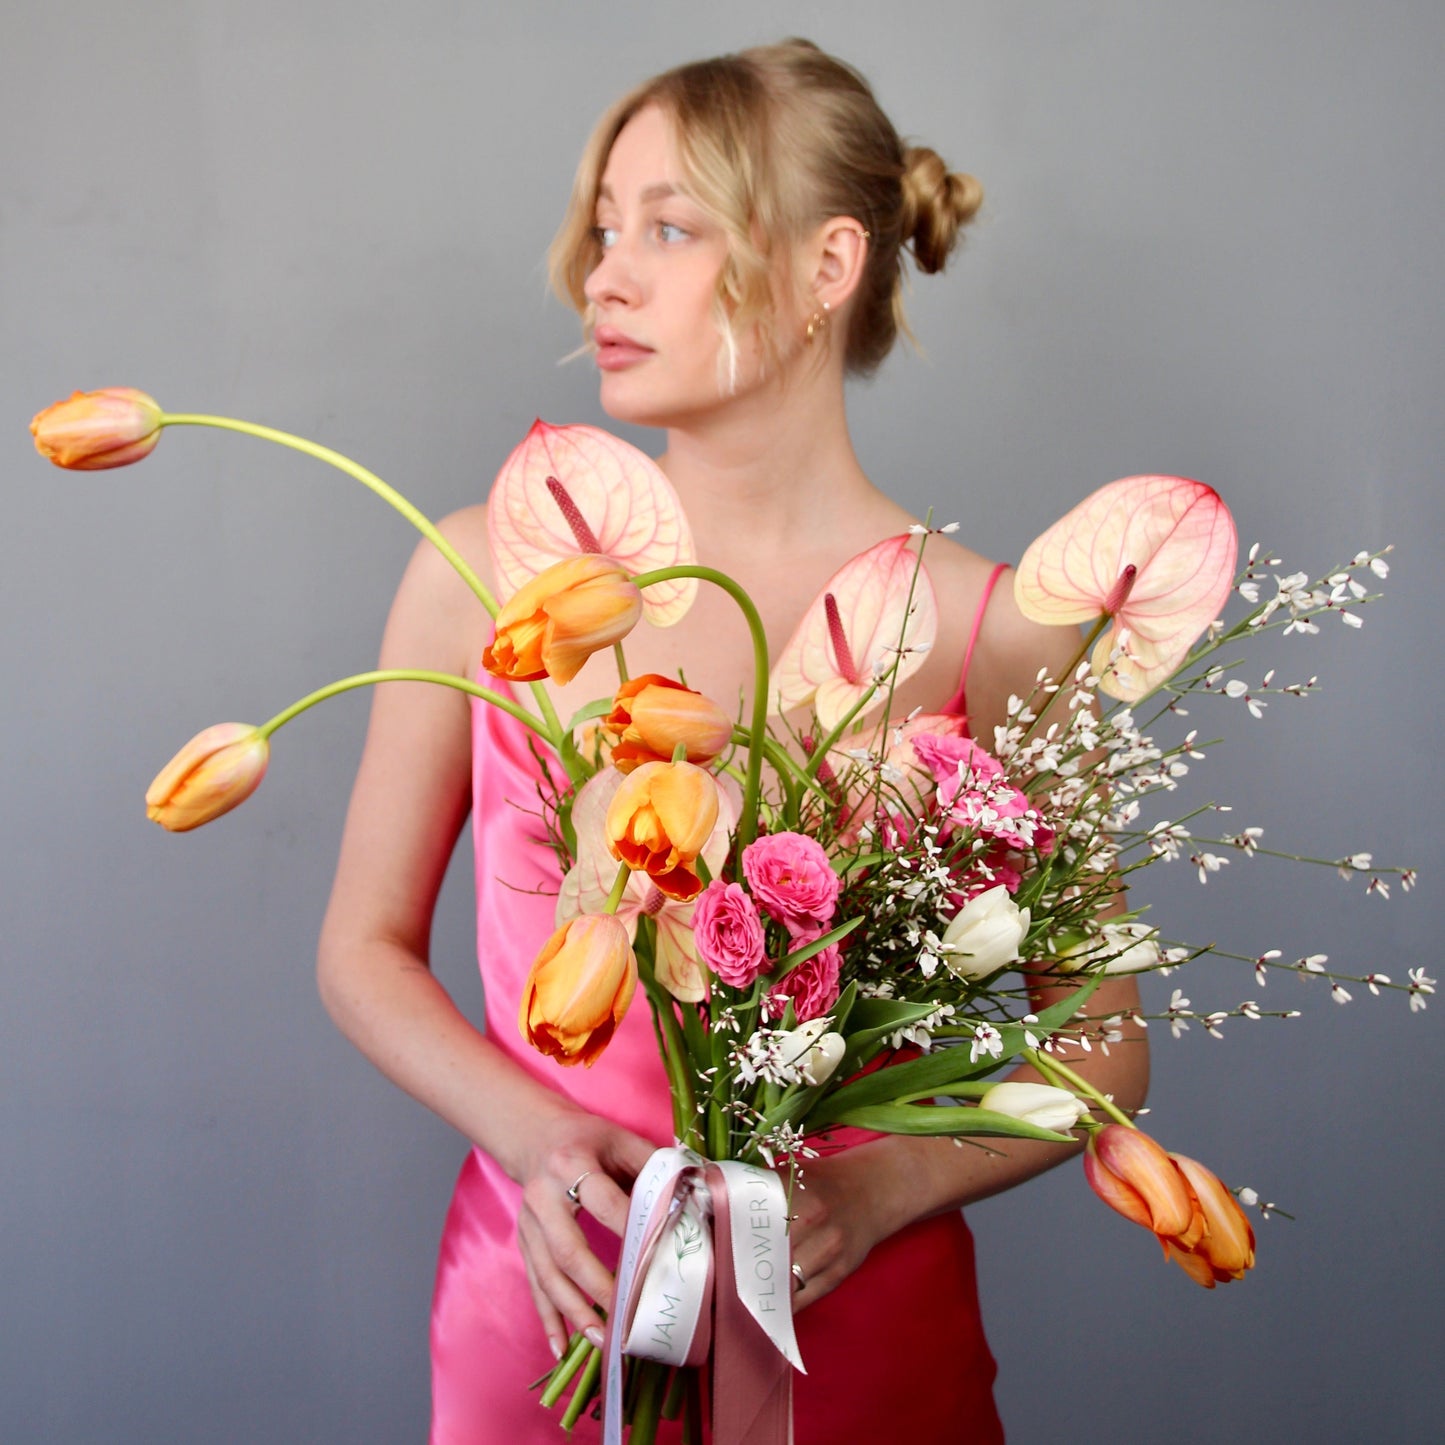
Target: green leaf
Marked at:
961, 1121
597, 709
923, 1077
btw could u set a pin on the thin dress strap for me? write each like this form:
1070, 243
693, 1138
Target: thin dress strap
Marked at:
957, 703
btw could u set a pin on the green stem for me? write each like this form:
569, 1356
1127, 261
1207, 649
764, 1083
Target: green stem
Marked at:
1048, 1065
586, 1388
828, 743
673, 1048
407, 674
621, 662
388, 494
748, 817
566, 1368
1100, 623
619, 887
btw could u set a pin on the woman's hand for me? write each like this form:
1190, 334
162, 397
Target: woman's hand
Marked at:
845, 1208
564, 1275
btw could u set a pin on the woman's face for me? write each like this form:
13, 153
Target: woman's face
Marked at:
657, 342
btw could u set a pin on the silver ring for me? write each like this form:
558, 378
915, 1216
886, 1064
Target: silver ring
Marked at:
573, 1190
800, 1277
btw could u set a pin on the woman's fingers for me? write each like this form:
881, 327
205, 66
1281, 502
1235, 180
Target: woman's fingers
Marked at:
553, 1325
568, 1275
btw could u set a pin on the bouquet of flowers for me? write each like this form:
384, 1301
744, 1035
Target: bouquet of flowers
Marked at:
836, 914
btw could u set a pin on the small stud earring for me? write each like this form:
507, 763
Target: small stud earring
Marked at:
817, 324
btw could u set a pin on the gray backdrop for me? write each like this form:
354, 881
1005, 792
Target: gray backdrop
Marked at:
1212, 246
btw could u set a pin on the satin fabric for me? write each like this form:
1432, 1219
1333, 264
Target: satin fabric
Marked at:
897, 1352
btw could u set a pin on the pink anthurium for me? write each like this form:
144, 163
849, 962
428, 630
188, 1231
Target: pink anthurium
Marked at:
874, 605
589, 881
1155, 554
570, 490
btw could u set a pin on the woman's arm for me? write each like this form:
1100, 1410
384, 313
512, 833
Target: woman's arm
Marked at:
857, 1197
410, 800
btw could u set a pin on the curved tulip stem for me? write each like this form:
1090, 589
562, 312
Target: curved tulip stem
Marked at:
621, 662
748, 816
387, 493
407, 674
1050, 1067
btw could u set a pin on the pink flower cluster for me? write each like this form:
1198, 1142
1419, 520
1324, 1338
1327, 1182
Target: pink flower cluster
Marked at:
974, 793
790, 877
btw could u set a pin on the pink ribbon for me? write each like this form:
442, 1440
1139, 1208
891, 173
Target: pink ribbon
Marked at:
727, 1297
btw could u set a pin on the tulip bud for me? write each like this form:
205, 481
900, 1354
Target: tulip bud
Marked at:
217, 770
555, 622
93, 430
1040, 1104
1131, 1173
651, 715
1227, 1248
814, 1050
658, 822
985, 935
578, 989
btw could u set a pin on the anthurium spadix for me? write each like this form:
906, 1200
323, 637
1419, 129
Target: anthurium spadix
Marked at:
571, 490
1156, 555
876, 609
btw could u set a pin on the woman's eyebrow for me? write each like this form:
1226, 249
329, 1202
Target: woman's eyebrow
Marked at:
658, 192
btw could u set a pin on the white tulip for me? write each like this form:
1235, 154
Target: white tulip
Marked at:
985, 935
1126, 947
1040, 1104
813, 1050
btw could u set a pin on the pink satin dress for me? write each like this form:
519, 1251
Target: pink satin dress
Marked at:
895, 1353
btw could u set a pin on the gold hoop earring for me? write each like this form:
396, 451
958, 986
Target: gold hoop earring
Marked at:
817, 324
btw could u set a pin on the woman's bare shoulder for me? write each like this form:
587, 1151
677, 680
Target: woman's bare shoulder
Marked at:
1010, 649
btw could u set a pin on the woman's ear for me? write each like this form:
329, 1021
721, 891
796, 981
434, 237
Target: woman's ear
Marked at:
839, 252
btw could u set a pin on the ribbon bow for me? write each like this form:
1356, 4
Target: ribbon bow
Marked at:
705, 1266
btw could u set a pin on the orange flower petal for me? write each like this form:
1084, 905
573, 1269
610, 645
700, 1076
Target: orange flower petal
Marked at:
216, 771
93, 430
626, 502
1132, 1158
874, 596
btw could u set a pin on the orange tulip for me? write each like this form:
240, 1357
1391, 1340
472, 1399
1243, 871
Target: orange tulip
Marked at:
97, 429
660, 820
1227, 1248
1154, 554
578, 989
553, 624
651, 715
1133, 1175
216, 771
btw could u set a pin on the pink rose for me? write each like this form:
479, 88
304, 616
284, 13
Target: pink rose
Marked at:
729, 933
945, 756
812, 986
791, 877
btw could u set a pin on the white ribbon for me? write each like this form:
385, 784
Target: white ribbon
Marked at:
672, 1294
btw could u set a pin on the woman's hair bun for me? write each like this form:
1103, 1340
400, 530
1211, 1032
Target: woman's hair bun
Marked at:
936, 203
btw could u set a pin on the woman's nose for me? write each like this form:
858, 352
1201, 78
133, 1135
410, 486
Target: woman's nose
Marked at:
614, 278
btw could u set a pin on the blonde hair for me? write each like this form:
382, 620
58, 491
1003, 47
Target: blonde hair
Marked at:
774, 141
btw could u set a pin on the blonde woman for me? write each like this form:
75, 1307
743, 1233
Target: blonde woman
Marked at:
735, 245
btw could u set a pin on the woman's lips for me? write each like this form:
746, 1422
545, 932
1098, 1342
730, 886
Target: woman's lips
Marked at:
616, 351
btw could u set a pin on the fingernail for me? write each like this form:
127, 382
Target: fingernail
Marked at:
556, 1347
594, 1336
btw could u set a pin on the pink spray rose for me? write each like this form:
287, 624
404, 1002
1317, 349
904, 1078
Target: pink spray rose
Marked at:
729, 933
791, 877
973, 792
812, 986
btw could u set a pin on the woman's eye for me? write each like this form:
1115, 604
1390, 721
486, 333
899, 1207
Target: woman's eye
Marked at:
606, 236
670, 233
